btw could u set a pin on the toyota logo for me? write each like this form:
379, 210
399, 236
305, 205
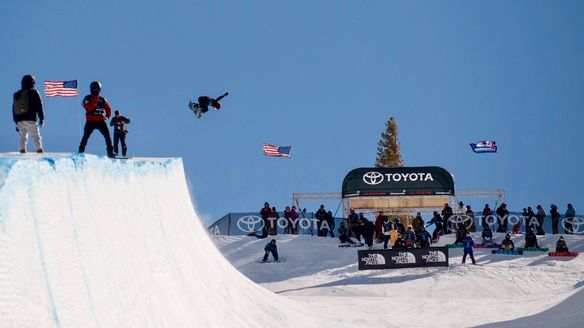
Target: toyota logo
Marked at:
248, 223
455, 220
573, 225
373, 178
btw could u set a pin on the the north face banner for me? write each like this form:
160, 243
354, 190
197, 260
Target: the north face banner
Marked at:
398, 181
403, 258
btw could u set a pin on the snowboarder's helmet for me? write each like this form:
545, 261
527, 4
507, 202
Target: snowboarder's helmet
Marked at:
507, 236
273, 241
95, 87
216, 104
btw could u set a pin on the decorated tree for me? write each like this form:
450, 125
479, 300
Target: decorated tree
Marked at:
388, 152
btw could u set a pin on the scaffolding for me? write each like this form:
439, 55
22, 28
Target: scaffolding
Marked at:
400, 204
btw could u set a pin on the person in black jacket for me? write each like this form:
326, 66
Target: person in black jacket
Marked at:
446, 214
271, 248
343, 235
120, 132
368, 231
399, 243
437, 221
555, 218
507, 244
27, 108
502, 215
320, 216
330, 220
530, 239
561, 246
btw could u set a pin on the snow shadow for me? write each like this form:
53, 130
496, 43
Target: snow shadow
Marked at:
567, 314
372, 279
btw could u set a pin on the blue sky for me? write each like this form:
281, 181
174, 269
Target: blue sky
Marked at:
322, 76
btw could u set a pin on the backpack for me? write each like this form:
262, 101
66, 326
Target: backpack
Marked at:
20, 104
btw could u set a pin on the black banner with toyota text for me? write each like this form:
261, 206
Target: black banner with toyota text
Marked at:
398, 181
403, 258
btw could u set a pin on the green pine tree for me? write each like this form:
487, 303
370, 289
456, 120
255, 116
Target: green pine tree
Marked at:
388, 152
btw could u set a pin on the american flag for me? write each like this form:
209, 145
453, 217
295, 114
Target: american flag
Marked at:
61, 88
275, 151
485, 146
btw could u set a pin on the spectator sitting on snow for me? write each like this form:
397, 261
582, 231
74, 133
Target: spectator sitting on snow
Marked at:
561, 246
410, 238
530, 239
271, 248
343, 235
487, 236
399, 243
507, 244
460, 230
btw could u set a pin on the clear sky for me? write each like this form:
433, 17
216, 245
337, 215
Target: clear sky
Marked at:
321, 76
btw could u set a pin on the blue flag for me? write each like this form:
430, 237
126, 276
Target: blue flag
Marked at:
485, 146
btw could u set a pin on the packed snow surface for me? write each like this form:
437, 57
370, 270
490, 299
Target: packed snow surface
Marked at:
533, 290
88, 241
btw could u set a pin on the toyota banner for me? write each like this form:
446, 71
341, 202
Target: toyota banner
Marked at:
403, 258
398, 181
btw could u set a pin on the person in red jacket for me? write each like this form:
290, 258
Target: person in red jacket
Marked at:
97, 112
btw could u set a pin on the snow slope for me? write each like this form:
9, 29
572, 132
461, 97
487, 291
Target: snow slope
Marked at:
533, 290
87, 241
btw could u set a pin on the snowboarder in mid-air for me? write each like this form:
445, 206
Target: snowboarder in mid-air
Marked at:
271, 248
202, 106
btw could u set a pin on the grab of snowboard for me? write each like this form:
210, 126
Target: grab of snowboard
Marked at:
202, 106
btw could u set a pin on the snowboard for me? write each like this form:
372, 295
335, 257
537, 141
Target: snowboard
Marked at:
533, 249
351, 245
122, 157
454, 245
499, 252
195, 108
280, 260
487, 246
566, 254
